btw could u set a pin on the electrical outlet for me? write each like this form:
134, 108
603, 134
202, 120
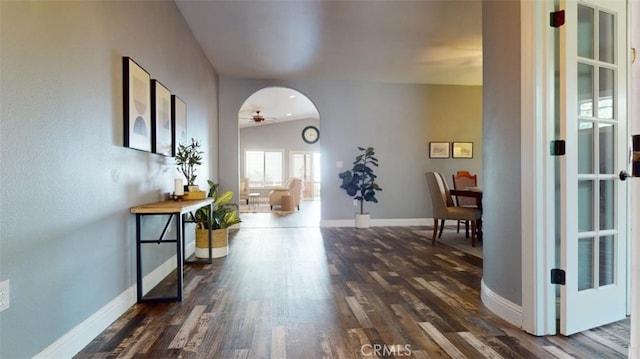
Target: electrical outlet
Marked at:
4, 295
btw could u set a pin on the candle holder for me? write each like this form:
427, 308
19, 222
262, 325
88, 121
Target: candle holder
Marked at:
177, 197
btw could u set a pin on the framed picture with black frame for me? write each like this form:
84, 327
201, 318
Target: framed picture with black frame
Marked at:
161, 124
137, 106
439, 149
462, 150
178, 121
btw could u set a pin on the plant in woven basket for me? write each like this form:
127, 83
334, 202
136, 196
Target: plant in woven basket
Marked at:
188, 158
224, 214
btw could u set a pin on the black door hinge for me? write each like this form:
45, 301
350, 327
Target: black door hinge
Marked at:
558, 276
558, 148
556, 18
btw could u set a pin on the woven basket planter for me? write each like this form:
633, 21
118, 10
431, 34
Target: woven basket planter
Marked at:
220, 245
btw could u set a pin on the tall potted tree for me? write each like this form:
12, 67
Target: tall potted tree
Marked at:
224, 215
359, 183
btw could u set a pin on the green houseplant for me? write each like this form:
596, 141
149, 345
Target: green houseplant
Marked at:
188, 158
224, 215
359, 182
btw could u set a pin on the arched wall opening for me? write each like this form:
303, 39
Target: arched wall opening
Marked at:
278, 139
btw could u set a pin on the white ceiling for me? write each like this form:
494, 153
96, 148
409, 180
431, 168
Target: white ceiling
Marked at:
277, 104
395, 41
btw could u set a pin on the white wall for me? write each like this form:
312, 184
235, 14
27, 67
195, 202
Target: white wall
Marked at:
397, 120
67, 239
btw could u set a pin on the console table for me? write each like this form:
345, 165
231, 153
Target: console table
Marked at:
175, 210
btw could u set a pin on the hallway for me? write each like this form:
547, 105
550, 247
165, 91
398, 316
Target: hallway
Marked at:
336, 293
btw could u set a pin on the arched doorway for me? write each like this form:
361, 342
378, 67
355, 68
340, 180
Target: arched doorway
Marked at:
279, 140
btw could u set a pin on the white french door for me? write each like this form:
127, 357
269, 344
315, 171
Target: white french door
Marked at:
593, 217
306, 165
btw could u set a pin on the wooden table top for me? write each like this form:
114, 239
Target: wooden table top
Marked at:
171, 206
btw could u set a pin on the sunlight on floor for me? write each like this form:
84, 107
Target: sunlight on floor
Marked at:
308, 216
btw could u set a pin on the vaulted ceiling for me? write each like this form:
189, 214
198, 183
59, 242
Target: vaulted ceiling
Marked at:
395, 41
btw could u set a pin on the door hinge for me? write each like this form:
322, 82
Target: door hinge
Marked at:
558, 148
556, 18
558, 276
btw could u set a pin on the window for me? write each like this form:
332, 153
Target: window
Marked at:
264, 168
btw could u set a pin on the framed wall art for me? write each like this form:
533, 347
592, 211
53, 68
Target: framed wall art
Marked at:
137, 106
439, 149
179, 122
161, 124
462, 150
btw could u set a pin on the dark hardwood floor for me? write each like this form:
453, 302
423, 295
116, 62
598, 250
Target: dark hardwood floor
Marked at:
337, 293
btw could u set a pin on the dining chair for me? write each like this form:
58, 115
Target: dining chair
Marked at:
462, 180
444, 208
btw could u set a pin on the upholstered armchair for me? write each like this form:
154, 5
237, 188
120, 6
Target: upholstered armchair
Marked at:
244, 189
293, 188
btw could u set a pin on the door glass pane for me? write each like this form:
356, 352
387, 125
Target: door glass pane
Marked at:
606, 95
607, 204
585, 31
585, 147
316, 174
585, 90
606, 43
606, 257
585, 263
585, 206
606, 148
297, 165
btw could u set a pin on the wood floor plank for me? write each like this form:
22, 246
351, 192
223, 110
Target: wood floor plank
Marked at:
485, 350
279, 342
441, 340
557, 352
360, 314
182, 336
332, 293
604, 338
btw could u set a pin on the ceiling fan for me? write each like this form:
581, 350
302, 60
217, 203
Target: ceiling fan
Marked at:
257, 118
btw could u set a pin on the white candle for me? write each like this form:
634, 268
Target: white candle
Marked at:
179, 190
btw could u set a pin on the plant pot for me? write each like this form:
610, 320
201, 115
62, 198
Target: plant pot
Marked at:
362, 220
220, 245
193, 188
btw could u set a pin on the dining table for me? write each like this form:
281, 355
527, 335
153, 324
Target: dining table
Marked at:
476, 193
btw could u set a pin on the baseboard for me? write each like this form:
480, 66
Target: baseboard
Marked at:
395, 222
80, 336
501, 306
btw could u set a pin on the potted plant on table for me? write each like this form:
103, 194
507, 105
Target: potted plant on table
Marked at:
359, 182
188, 158
224, 215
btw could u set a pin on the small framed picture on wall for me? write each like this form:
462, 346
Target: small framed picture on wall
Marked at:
162, 129
179, 122
137, 106
463, 150
439, 149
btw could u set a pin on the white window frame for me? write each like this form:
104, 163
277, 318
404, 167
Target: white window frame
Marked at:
261, 183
